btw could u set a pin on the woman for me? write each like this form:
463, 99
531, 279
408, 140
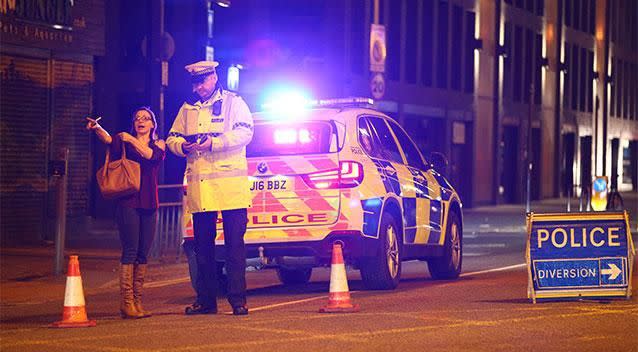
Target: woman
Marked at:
136, 214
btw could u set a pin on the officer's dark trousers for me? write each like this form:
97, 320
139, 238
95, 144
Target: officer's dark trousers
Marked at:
204, 226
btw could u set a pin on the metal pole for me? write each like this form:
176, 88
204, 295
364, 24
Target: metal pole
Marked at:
497, 128
529, 148
569, 199
60, 232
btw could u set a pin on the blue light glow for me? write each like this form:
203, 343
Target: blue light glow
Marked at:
286, 102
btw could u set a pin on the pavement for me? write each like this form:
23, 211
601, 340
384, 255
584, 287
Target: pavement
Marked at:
29, 269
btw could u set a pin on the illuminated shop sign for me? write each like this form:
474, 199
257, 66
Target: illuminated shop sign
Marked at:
51, 12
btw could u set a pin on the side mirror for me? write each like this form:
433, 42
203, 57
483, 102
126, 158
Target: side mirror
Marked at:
438, 161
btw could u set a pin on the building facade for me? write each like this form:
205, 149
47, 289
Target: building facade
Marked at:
508, 90
47, 51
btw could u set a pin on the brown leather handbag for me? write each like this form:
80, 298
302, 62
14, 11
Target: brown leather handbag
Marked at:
118, 178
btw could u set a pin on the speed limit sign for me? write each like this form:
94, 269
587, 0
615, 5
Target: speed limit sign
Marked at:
377, 85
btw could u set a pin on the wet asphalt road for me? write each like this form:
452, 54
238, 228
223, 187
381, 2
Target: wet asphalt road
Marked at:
482, 311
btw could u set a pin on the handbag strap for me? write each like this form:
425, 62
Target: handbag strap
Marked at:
107, 159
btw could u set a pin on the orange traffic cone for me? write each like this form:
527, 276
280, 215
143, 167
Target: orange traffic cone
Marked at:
74, 313
339, 298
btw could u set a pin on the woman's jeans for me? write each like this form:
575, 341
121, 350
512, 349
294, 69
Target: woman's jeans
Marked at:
137, 230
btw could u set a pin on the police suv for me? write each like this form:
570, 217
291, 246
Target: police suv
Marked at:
341, 172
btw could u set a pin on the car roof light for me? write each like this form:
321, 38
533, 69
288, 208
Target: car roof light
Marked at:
343, 102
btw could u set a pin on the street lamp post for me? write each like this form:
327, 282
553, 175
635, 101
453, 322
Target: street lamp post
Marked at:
528, 159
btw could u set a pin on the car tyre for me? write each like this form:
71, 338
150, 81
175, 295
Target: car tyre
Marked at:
383, 271
296, 276
449, 265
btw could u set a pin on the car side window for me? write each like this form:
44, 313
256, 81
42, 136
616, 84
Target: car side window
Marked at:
410, 150
389, 148
366, 139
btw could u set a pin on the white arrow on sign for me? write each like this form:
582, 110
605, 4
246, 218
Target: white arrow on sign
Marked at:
613, 271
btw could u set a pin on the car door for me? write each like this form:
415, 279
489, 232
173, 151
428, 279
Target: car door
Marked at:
425, 211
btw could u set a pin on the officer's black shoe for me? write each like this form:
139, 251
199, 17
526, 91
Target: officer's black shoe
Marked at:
197, 308
240, 310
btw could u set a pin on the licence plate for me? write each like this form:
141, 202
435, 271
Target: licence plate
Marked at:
271, 184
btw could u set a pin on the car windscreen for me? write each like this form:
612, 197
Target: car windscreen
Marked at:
285, 138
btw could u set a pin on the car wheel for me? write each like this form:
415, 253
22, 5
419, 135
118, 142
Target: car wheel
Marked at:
449, 265
383, 271
289, 276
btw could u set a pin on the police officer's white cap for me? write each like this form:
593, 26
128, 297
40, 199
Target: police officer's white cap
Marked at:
201, 68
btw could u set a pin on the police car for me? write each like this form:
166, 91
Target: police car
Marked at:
341, 172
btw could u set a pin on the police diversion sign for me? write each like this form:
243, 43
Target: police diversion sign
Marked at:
577, 255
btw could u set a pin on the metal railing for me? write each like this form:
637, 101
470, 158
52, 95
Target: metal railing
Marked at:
582, 194
168, 236
614, 198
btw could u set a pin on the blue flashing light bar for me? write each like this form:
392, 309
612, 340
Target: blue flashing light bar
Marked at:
344, 102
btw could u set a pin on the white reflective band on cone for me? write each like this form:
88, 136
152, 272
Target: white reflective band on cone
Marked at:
74, 295
338, 280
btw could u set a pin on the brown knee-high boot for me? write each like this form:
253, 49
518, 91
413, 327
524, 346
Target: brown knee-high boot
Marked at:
127, 304
138, 288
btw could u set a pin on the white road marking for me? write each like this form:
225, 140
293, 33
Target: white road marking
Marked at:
475, 254
505, 268
485, 245
290, 303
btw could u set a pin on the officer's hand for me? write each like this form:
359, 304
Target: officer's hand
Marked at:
188, 147
204, 145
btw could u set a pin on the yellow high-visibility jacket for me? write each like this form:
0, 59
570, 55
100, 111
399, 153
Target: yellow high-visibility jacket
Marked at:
217, 179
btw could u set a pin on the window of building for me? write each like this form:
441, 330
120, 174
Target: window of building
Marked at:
517, 62
507, 63
393, 62
567, 9
576, 14
567, 84
528, 60
618, 71
592, 16
442, 45
470, 22
613, 88
411, 40
575, 67
456, 47
626, 88
582, 89
627, 171
427, 42
634, 95
358, 29
540, 7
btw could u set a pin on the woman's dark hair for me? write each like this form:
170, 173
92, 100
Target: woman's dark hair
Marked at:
150, 112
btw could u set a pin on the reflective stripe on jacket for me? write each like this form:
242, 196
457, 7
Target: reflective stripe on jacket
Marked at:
217, 179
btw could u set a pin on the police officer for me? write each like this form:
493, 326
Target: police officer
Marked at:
212, 132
